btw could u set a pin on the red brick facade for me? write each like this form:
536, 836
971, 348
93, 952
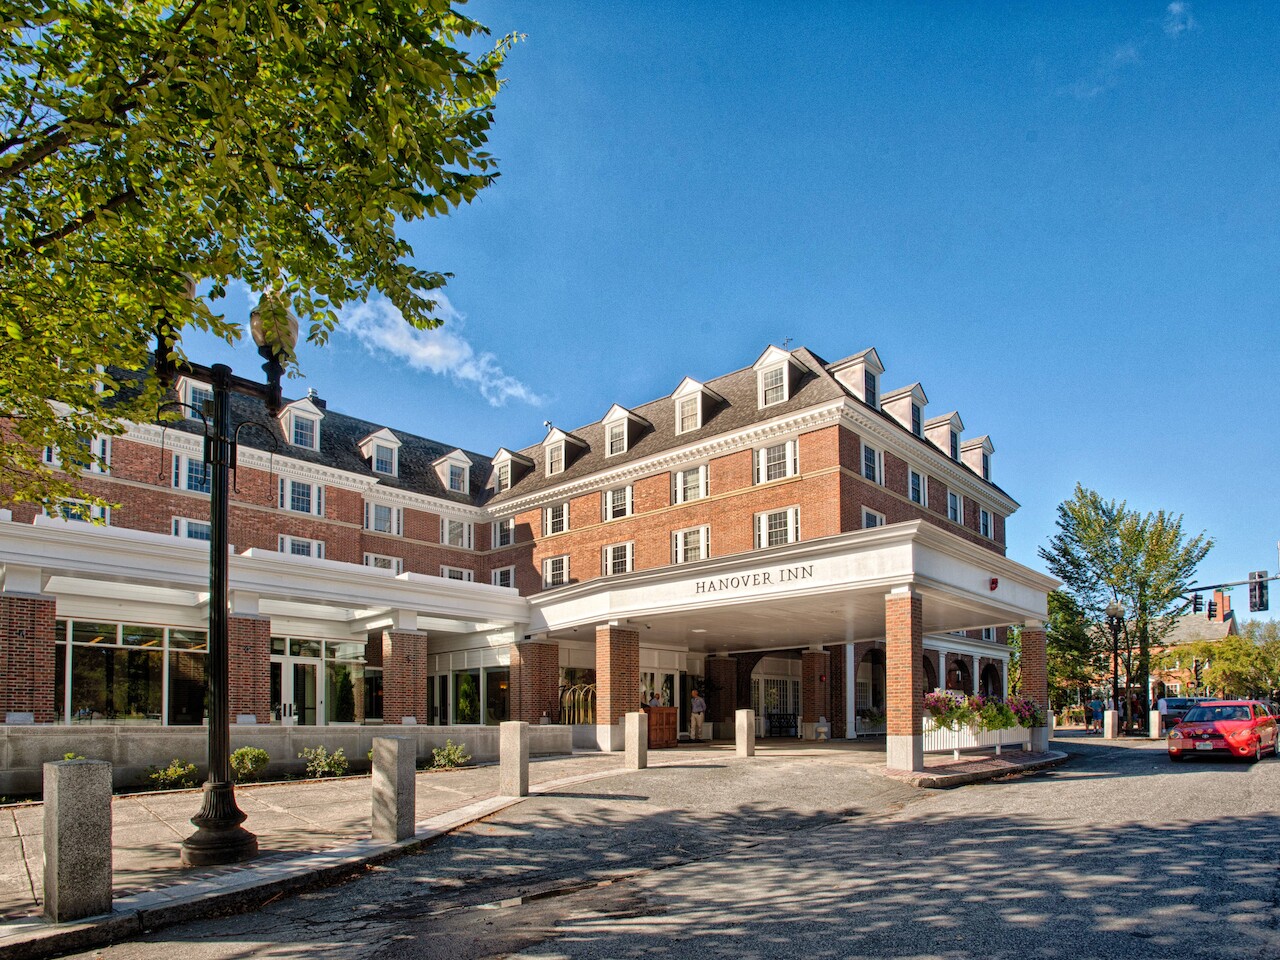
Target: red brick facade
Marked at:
249, 661
815, 685
535, 680
1034, 667
26, 655
617, 673
839, 693
722, 689
404, 675
904, 650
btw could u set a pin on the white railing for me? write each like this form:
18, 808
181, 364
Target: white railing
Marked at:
941, 740
865, 728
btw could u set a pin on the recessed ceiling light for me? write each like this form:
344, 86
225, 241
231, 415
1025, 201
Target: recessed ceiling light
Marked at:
697, 630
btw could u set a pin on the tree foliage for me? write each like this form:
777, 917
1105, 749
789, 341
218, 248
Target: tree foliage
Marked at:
277, 143
1076, 653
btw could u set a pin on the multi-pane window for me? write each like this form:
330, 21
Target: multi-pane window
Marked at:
80, 510
199, 399
690, 484
191, 474
917, 420
617, 437
555, 571
870, 388
302, 497
192, 529
304, 432
502, 477
773, 386
380, 562
917, 488
687, 414
384, 459
989, 633
302, 547
955, 508
502, 533
872, 519
955, 445
617, 559
457, 573
381, 518
555, 459
617, 503
555, 519
777, 461
456, 533
503, 577
457, 478
871, 463
777, 527
984, 523
986, 466
691, 545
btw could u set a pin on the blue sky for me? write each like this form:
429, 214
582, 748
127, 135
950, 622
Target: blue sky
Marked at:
1061, 219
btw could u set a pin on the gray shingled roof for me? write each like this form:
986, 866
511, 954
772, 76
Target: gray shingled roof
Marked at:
1193, 627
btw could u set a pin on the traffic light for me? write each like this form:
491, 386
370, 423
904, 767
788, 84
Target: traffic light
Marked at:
1213, 609
1197, 603
1196, 666
1258, 591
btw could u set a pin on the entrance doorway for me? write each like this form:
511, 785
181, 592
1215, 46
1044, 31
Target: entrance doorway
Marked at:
297, 696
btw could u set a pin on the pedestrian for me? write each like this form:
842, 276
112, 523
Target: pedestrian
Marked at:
655, 700
1095, 706
1088, 718
697, 710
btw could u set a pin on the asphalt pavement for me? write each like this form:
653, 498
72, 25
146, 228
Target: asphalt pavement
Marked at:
1118, 854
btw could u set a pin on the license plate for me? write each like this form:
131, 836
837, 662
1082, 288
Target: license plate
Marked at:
1204, 745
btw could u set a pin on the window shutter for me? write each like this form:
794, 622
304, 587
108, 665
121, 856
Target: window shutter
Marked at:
399, 521
629, 500
282, 493
319, 500
795, 524
675, 486
794, 449
368, 520
177, 525
177, 470
605, 497
280, 544
705, 472
320, 550
759, 530
760, 459
604, 561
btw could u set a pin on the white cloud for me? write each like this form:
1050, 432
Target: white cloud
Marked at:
379, 325
1178, 19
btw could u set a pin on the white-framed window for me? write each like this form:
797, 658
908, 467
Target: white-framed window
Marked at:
777, 461
918, 488
688, 413
457, 533
384, 459
917, 420
955, 507
690, 484
616, 558
774, 528
191, 474
302, 497
555, 571
304, 431
617, 433
984, 523
989, 633
986, 465
189, 529
458, 573
382, 562
79, 510
301, 547
870, 518
955, 445
617, 502
691, 544
501, 533
457, 478
555, 459
195, 396
501, 477
871, 388
872, 464
555, 518
381, 518
503, 577
773, 385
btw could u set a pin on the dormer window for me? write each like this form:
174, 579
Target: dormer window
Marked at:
622, 428
382, 450
508, 468
194, 396
555, 459
871, 388
384, 459
917, 420
694, 404
617, 438
955, 445
304, 432
454, 471
687, 414
457, 478
986, 466
502, 477
773, 386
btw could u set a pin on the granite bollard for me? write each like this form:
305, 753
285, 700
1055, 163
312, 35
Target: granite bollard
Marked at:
636, 740
513, 763
394, 788
1110, 724
745, 729
77, 839
1155, 725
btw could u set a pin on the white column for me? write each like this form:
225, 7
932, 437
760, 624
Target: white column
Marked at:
850, 692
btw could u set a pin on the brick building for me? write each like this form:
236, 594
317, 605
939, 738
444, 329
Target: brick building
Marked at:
788, 536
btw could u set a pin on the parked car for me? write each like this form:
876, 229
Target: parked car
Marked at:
1177, 707
1237, 728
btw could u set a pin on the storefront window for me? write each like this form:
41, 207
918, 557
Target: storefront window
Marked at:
577, 695
466, 696
496, 693
373, 693
114, 683
60, 673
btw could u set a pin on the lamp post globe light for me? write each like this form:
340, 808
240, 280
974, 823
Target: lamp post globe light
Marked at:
1115, 620
220, 838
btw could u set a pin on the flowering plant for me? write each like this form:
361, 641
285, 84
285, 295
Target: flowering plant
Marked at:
1027, 712
992, 714
954, 710
950, 710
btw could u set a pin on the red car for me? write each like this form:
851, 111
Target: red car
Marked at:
1238, 728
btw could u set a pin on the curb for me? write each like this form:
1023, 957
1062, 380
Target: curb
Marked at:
942, 781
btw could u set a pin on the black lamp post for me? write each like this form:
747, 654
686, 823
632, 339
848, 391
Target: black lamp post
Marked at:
1115, 620
219, 836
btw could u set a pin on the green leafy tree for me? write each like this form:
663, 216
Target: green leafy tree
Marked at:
1075, 652
147, 144
1105, 552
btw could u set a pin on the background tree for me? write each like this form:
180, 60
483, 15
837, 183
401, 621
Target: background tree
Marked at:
277, 144
1076, 652
1105, 552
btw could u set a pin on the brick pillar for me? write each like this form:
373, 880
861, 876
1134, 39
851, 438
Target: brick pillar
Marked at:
249, 663
839, 693
815, 689
404, 676
26, 653
904, 648
1034, 683
722, 690
617, 675
535, 680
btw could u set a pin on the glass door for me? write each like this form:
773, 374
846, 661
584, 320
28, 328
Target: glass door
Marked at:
306, 700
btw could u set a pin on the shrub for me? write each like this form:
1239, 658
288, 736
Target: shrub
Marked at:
322, 763
1026, 711
991, 714
450, 755
950, 710
176, 776
72, 755
248, 762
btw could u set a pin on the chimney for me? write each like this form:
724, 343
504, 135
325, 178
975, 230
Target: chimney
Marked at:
1224, 606
314, 397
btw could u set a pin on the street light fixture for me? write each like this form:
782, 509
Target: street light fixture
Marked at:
1115, 620
219, 836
